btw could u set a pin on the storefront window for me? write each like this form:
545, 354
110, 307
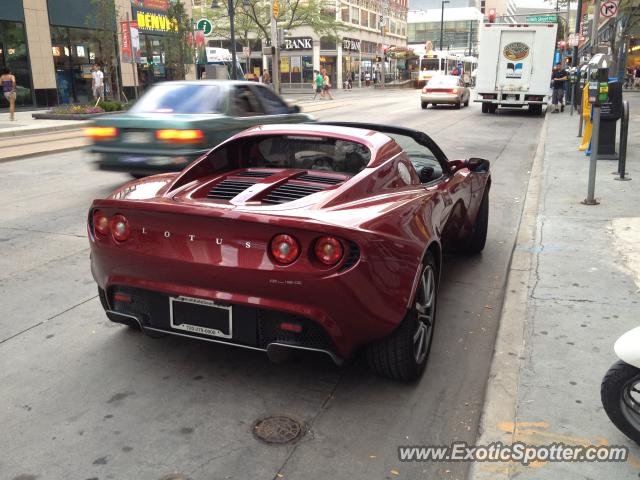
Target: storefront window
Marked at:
13, 55
74, 53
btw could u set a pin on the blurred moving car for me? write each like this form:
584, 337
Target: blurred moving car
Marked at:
445, 90
176, 122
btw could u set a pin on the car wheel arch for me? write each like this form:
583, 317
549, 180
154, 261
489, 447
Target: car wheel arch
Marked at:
435, 249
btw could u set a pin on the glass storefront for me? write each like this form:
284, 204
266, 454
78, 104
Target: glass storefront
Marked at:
14, 55
74, 53
151, 68
296, 69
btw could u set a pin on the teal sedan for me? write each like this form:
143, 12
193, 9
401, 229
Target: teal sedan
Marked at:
176, 122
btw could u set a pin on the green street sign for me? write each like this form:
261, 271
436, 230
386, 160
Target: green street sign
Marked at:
205, 25
542, 19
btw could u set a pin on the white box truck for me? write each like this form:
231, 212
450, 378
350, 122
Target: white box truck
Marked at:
514, 65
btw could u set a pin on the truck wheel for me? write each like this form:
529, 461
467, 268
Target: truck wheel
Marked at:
535, 109
485, 108
493, 108
425, 105
403, 354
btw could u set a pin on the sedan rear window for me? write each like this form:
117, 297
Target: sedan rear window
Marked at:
444, 81
179, 98
306, 152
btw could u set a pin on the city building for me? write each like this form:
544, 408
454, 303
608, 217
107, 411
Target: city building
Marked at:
51, 45
357, 50
459, 29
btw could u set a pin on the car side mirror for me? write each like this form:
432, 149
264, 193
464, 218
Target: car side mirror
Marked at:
426, 174
478, 164
294, 109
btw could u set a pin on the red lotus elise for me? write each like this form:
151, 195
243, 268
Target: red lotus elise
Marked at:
323, 237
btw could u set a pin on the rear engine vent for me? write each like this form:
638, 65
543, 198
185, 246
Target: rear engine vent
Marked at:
288, 192
321, 179
254, 174
227, 189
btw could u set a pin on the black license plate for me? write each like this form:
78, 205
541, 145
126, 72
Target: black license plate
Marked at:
197, 315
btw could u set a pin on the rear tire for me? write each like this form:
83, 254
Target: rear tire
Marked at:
535, 109
493, 108
485, 107
424, 105
403, 354
458, 105
476, 241
616, 400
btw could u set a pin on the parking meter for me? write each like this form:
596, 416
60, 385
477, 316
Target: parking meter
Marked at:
598, 76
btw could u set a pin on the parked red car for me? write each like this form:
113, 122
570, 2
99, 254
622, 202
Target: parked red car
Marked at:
325, 237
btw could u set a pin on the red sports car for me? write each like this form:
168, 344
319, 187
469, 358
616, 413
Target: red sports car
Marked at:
324, 237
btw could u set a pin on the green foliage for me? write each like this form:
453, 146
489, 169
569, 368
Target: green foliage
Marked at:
253, 18
110, 106
178, 43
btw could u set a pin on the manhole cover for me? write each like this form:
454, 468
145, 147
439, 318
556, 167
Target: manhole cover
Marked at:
278, 429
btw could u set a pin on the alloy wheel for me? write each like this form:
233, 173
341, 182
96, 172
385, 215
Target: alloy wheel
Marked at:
425, 303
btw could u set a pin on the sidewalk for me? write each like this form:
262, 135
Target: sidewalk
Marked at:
573, 289
26, 125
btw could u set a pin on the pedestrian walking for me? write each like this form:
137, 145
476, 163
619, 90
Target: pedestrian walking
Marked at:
636, 80
367, 79
558, 78
8, 82
317, 84
326, 84
97, 82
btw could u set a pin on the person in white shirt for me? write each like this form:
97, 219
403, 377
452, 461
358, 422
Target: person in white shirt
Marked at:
97, 82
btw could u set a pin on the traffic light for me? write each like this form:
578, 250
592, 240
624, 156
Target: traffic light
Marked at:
492, 15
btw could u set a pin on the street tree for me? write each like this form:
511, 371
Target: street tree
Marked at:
178, 44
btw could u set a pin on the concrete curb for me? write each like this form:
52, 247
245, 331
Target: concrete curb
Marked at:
501, 395
39, 130
39, 154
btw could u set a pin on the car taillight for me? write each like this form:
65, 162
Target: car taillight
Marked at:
329, 250
119, 226
180, 136
454, 90
425, 90
285, 248
100, 133
100, 223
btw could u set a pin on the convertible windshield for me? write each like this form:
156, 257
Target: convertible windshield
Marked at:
179, 98
309, 153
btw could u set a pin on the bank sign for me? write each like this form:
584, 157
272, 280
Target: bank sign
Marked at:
298, 43
153, 21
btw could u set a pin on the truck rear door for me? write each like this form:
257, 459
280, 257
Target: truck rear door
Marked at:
516, 60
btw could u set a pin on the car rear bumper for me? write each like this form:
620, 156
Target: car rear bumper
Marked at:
444, 99
145, 162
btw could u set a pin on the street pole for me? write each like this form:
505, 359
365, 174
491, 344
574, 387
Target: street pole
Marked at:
594, 27
232, 31
275, 52
442, 22
470, 35
593, 159
574, 59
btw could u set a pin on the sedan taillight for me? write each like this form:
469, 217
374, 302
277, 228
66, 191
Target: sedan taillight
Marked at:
284, 248
454, 90
180, 136
101, 133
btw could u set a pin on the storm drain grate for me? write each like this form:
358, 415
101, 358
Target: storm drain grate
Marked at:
278, 429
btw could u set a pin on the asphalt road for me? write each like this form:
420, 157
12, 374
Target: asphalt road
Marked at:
83, 398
